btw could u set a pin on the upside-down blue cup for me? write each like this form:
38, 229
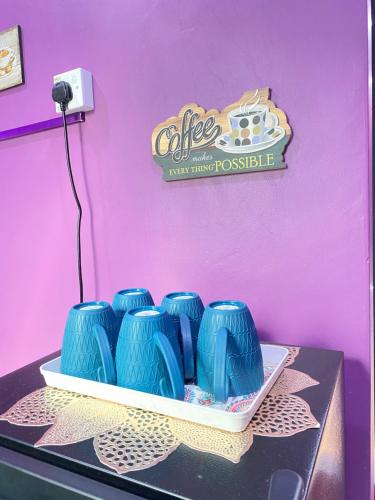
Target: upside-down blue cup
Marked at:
186, 310
148, 355
89, 342
130, 298
229, 357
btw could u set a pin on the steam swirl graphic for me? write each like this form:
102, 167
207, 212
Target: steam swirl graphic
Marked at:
246, 107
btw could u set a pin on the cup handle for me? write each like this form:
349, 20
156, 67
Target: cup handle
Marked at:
175, 375
273, 118
187, 346
220, 366
107, 372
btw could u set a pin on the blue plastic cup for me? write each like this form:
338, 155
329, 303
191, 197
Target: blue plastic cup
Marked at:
186, 310
148, 357
130, 298
89, 342
229, 357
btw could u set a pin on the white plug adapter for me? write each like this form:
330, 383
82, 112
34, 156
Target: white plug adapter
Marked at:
81, 82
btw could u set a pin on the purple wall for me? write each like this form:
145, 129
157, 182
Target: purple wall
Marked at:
294, 244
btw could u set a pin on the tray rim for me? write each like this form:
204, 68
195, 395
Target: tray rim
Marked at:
234, 417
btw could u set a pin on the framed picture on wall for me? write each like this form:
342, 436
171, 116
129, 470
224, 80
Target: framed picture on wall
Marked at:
11, 63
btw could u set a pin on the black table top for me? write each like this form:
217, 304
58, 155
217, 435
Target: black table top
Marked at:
186, 473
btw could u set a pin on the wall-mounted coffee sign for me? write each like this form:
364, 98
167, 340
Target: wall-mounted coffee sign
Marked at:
247, 136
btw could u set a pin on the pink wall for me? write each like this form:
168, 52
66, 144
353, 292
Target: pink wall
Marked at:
293, 244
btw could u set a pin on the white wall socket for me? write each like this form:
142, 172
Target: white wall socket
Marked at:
81, 82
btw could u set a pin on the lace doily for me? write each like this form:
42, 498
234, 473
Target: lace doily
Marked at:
225, 444
82, 419
40, 407
128, 439
291, 381
131, 447
283, 415
293, 353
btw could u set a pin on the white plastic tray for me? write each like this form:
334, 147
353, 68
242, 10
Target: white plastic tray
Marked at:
233, 416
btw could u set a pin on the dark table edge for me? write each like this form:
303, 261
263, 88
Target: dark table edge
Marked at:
323, 423
123, 483
66, 480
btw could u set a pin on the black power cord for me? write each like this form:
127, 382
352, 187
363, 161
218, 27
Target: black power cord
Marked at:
62, 94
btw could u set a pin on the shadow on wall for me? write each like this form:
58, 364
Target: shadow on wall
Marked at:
88, 218
264, 336
357, 435
93, 163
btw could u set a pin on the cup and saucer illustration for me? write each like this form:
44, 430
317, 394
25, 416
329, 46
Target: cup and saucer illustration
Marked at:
7, 61
253, 128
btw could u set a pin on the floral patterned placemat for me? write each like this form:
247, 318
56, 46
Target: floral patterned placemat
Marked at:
128, 439
195, 395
